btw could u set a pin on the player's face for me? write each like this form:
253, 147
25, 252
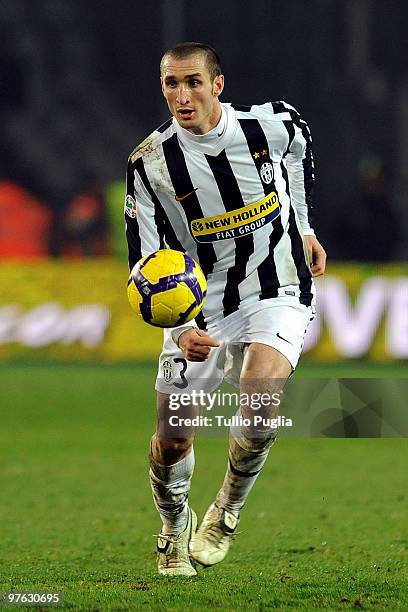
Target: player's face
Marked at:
191, 93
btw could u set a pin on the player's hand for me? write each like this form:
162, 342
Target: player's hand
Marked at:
316, 255
196, 344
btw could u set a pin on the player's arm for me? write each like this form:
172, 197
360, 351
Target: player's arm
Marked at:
300, 166
144, 227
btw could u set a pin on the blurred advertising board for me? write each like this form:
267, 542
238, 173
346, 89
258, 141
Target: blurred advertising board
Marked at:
73, 310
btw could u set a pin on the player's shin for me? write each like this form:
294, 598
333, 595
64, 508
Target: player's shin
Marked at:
245, 461
170, 485
249, 444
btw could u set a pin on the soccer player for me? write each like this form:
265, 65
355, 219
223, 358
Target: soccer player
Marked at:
232, 186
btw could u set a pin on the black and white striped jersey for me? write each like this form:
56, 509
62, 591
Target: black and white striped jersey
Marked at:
237, 199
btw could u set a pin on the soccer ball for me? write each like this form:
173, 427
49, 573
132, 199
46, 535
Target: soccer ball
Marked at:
167, 288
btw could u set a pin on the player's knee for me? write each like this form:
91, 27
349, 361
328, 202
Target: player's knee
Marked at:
266, 372
170, 450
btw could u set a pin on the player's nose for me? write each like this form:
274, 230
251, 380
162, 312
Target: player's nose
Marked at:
182, 95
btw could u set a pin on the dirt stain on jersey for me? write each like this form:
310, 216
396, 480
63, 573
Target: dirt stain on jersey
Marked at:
154, 163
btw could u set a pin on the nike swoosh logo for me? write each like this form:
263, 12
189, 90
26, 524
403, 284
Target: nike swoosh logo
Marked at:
183, 197
282, 338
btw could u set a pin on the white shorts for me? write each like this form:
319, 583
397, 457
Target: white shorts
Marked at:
279, 322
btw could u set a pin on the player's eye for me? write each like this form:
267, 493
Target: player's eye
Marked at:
194, 82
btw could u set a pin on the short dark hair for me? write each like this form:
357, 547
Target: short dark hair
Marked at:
185, 49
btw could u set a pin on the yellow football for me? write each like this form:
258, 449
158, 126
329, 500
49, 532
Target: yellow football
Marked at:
167, 288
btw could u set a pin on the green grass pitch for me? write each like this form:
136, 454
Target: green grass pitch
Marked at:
324, 528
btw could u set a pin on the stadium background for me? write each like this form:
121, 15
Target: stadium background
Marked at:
80, 88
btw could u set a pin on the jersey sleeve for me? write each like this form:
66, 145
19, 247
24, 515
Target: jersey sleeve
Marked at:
300, 167
144, 226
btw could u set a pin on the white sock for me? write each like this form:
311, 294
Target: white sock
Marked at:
244, 465
170, 486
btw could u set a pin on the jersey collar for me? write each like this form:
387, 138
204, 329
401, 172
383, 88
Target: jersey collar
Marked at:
214, 141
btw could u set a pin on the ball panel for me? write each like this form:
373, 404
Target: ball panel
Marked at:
167, 307
162, 315
134, 297
161, 264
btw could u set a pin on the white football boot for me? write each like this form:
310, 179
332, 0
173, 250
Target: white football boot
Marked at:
173, 557
211, 542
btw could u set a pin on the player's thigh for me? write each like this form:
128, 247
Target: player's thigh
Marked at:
275, 329
267, 343
263, 376
181, 387
262, 361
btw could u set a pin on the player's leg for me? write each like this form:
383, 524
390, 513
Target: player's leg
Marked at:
172, 454
264, 373
171, 470
274, 332
171, 466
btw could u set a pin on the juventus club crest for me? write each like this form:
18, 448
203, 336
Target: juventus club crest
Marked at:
266, 173
167, 369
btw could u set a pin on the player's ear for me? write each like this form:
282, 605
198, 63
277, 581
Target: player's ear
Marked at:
162, 85
218, 85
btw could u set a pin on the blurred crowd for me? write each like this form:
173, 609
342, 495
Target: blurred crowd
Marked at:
80, 88
91, 224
